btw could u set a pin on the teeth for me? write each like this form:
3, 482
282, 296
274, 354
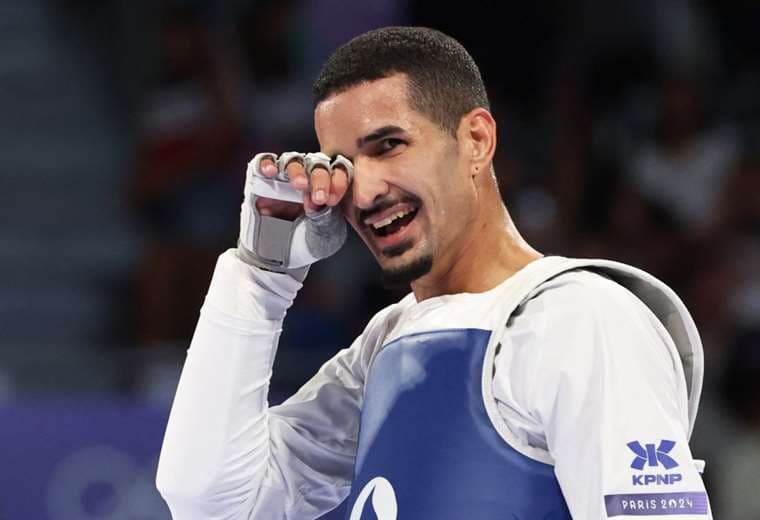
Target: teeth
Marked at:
391, 218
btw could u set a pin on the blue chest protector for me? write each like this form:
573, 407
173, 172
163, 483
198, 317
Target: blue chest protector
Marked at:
425, 431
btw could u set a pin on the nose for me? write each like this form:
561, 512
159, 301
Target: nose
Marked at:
368, 185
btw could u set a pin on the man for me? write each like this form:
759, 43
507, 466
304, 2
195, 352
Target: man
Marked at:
506, 385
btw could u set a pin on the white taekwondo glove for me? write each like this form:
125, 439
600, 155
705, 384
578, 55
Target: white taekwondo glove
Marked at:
281, 245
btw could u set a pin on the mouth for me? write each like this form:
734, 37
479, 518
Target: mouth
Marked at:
389, 226
394, 223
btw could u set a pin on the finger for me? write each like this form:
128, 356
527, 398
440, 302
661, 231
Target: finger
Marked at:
320, 185
308, 205
338, 185
297, 175
268, 168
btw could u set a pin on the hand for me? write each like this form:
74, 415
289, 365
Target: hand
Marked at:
288, 217
318, 189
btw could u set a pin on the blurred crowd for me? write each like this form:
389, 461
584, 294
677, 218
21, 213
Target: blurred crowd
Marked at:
628, 131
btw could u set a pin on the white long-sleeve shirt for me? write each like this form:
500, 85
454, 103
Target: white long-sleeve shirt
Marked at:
585, 369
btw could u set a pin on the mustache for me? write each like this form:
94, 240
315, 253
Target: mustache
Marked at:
384, 203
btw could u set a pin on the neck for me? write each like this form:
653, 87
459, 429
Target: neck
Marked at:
490, 254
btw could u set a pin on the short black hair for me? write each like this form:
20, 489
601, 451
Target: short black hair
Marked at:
444, 81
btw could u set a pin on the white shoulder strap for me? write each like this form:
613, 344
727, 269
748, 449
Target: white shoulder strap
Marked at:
655, 294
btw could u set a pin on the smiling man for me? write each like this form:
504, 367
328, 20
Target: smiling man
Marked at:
423, 198
507, 384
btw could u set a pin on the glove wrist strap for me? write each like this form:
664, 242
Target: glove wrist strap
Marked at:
251, 258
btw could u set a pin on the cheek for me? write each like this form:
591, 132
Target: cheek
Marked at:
454, 207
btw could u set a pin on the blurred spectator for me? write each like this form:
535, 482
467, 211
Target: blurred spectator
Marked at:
639, 232
686, 166
738, 218
186, 189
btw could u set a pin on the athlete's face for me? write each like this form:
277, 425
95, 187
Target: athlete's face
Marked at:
412, 196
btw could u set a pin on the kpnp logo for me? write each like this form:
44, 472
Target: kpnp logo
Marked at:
649, 455
653, 456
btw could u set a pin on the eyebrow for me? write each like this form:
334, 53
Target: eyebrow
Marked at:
378, 134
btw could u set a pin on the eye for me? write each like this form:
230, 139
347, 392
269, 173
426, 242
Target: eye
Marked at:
386, 145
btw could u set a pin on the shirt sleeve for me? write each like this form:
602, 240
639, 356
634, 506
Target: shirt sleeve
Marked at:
599, 385
226, 453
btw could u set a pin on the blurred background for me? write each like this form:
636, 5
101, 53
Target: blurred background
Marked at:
628, 130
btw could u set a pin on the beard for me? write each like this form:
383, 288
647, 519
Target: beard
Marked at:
400, 277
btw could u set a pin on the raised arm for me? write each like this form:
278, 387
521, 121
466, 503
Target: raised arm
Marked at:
226, 454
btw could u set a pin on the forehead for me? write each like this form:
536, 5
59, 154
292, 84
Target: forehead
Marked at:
343, 118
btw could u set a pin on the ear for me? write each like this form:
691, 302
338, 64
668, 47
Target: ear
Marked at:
477, 137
